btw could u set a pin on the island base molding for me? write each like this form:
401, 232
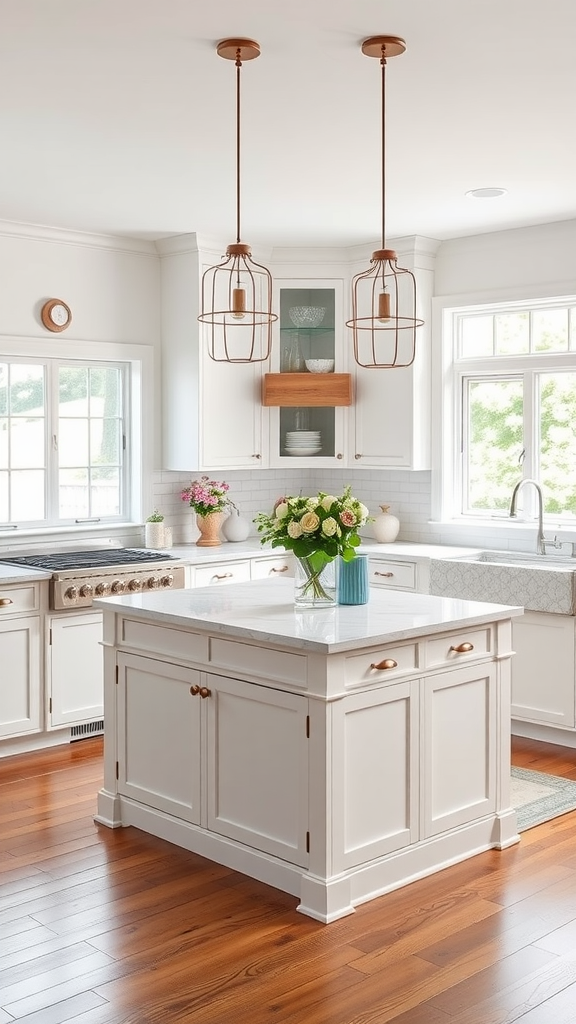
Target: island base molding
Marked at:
544, 733
323, 899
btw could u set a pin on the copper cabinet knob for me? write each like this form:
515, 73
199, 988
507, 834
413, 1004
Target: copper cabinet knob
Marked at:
194, 690
4, 601
462, 648
204, 691
387, 663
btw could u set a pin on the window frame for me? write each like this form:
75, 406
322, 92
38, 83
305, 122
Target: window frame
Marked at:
138, 429
449, 375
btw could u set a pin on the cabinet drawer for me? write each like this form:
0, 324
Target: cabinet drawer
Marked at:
442, 651
216, 575
274, 666
19, 598
177, 643
392, 574
270, 568
361, 668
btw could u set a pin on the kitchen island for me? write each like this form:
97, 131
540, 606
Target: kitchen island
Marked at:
336, 754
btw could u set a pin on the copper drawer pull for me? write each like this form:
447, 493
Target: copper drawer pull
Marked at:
387, 574
387, 663
5, 601
224, 576
462, 648
283, 569
205, 692
194, 690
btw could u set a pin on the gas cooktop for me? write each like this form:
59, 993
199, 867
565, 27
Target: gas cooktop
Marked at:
58, 561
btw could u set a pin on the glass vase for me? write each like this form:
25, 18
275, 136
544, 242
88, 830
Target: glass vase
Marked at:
314, 587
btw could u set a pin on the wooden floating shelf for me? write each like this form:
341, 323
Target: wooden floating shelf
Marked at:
307, 389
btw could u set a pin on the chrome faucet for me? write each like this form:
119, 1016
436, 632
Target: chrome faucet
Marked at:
540, 543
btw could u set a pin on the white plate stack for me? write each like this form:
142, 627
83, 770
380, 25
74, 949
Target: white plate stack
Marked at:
303, 442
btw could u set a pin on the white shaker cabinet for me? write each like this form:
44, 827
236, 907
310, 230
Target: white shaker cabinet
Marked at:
74, 668
543, 669
20, 658
213, 417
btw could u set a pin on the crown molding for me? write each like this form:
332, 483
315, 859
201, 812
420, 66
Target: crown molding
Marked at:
85, 239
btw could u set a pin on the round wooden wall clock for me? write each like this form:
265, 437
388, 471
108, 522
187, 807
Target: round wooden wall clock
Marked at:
56, 315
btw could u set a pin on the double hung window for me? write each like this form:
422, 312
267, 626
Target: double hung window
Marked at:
64, 457
512, 386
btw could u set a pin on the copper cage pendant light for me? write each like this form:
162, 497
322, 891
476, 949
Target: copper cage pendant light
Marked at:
384, 318
237, 294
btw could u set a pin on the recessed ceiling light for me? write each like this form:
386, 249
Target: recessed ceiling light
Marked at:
486, 193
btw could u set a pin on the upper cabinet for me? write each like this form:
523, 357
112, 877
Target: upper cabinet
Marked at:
213, 417
309, 387
286, 412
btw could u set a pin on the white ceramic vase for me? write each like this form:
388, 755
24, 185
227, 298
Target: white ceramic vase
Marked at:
235, 528
154, 535
386, 526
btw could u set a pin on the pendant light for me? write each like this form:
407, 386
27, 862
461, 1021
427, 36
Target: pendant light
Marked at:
384, 318
236, 300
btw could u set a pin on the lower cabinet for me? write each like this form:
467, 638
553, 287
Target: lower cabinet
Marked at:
238, 763
74, 668
20, 678
399, 574
543, 669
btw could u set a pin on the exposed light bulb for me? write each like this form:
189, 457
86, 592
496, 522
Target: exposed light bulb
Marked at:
383, 307
238, 303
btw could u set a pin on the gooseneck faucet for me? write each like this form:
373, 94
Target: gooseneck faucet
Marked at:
540, 545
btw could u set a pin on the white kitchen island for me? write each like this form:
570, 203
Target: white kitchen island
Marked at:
336, 754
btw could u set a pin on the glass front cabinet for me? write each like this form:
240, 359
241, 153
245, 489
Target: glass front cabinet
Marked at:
308, 388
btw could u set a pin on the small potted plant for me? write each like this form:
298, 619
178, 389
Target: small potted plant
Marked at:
154, 530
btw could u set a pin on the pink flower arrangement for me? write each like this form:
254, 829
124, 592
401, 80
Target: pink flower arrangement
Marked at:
206, 496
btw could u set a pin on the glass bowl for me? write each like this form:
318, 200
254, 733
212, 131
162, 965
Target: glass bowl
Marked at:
320, 365
306, 316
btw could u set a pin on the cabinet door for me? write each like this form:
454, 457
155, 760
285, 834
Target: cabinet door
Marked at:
258, 767
543, 668
459, 744
375, 781
391, 417
75, 669
219, 573
310, 327
20, 707
391, 574
159, 735
231, 416
272, 568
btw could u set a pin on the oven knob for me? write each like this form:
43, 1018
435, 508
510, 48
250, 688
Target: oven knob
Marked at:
135, 585
86, 590
118, 586
71, 593
166, 581
102, 589
153, 583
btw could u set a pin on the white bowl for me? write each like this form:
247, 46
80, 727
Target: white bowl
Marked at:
320, 365
306, 316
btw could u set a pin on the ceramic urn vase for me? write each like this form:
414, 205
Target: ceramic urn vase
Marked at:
386, 526
209, 527
235, 528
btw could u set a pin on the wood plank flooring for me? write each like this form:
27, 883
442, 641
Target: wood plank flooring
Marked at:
117, 927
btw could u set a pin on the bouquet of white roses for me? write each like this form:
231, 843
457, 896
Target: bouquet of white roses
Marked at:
316, 529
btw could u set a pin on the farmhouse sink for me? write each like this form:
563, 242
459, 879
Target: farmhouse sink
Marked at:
540, 583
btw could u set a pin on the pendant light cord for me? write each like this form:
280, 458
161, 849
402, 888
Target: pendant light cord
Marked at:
238, 66
383, 66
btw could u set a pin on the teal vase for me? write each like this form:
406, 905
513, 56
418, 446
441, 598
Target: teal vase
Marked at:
353, 581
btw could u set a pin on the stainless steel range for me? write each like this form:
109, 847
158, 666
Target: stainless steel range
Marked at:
78, 576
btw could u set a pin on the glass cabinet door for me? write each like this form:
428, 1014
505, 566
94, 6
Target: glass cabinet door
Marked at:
308, 330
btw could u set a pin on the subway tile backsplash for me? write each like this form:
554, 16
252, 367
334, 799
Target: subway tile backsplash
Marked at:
408, 495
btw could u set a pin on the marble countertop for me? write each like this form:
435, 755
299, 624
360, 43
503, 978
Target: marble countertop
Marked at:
21, 574
193, 555
264, 611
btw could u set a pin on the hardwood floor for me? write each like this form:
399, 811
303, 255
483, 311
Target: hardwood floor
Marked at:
117, 927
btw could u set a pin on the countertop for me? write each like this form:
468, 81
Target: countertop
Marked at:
264, 611
20, 574
194, 555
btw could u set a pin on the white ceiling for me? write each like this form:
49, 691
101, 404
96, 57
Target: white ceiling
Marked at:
117, 116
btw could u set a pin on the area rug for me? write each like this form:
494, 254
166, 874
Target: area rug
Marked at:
538, 797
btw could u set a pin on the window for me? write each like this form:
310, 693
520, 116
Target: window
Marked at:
512, 378
63, 453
